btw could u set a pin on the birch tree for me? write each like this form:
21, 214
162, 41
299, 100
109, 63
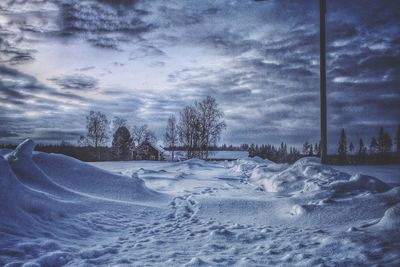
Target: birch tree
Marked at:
171, 134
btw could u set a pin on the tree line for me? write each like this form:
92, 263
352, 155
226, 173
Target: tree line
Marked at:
379, 150
279, 154
198, 129
124, 141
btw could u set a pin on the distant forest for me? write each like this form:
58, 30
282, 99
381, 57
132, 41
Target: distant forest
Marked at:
380, 150
197, 132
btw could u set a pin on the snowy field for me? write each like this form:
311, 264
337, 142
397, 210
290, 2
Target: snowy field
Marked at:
58, 211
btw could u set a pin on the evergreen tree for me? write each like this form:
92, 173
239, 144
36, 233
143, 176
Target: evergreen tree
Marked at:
311, 152
373, 145
342, 149
381, 140
121, 144
387, 143
384, 142
351, 147
282, 153
361, 151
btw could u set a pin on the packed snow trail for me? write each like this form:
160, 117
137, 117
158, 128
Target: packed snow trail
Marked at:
57, 211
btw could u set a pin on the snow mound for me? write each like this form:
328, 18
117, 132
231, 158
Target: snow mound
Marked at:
392, 196
307, 161
46, 185
391, 218
28, 172
360, 182
308, 175
25, 149
298, 210
89, 180
22, 206
197, 262
245, 165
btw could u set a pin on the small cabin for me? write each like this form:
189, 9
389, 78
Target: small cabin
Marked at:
180, 155
149, 151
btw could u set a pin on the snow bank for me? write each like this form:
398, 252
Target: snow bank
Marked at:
45, 196
307, 175
89, 180
246, 165
22, 206
28, 172
46, 185
360, 182
391, 218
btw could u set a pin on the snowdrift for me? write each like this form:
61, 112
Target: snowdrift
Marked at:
309, 176
256, 164
36, 186
24, 207
89, 180
391, 219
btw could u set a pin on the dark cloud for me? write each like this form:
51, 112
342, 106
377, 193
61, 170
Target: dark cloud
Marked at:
22, 23
75, 82
17, 85
105, 24
10, 53
25, 103
342, 31
5, 133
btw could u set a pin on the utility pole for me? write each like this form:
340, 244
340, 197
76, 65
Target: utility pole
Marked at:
322, 55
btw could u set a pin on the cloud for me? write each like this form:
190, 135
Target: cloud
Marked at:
5, 133
259, 59
75, 82
22, 23
105, 24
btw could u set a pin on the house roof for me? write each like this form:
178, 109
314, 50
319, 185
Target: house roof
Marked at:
221, 155
155, 146
158, 148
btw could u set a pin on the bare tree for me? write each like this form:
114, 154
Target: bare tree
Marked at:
200, 126
141, 134
171, 134
97, 126
211, 124
188, 130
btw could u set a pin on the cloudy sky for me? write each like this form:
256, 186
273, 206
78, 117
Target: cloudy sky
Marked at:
144, 60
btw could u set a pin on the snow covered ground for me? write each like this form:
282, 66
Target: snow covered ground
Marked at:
58, 211
388, 173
